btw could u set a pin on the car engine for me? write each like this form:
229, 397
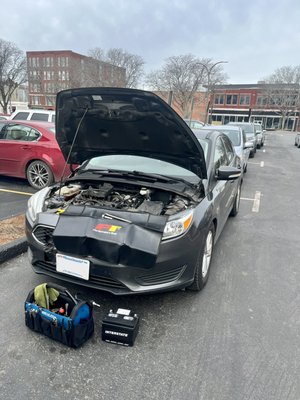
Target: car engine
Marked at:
126, 197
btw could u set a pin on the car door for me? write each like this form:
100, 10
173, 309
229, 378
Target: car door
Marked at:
222, 190
15, 148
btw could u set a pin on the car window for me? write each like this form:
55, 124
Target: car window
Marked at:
220, 154
20, 132
21, 115
196, 125
229, 149
39, 117
53, 118
2, 130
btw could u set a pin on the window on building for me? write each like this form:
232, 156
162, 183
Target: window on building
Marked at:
261, 101
219, 98
231, 99
244, 99
36, 100
67, 61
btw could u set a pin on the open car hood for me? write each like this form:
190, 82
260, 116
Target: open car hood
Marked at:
124, 121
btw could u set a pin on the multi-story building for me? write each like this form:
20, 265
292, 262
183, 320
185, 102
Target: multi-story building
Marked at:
274, 106
52, 71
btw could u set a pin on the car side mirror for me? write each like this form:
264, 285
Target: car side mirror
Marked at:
225, 173
257, 132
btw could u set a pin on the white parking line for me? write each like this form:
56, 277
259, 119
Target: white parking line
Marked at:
254, 163
262, 163
256, 202
264, 150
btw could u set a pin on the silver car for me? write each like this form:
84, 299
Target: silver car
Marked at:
260, 135
249, 129
297, 139
239, 140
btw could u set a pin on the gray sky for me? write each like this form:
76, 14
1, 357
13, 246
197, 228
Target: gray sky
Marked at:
254, 36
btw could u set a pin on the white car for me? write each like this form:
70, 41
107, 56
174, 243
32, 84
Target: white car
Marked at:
297, 139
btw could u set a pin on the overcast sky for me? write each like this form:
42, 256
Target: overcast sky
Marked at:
254, 36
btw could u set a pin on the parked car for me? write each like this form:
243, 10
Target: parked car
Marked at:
145, 208
194, 124
238, 139
249, 129
34, 115
260, 134
297, 139
29, 150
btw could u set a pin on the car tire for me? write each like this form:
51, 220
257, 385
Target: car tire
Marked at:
236, 204
251, 155
258, 146
203, 261
39, 175
245, 168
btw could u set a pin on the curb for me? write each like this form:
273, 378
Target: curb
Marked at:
13, 249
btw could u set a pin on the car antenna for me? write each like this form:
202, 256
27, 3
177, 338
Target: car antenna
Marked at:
71, 148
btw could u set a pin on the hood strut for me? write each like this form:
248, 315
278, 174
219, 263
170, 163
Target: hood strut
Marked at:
71, 148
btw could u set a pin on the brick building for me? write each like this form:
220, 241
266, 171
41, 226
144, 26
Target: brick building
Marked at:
52, 71
273, 106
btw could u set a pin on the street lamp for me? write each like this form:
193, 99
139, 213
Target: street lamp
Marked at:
208, 71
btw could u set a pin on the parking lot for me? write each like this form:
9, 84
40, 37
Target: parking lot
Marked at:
238, 339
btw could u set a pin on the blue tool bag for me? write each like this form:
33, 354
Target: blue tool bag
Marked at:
50, 309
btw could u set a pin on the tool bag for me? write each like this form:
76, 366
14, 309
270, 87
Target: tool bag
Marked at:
66, 320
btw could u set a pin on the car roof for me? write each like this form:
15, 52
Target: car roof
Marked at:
206, 133
33, 124
241, 123
223, 127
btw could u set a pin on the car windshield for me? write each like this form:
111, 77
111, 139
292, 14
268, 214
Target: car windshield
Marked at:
247, 128
142, 164
204, 145
233, 135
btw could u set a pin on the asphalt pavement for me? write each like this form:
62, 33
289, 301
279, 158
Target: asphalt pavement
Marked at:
236, 340
14, 194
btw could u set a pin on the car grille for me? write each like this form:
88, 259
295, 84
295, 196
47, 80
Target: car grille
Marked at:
161, 277
98, 280
43, 234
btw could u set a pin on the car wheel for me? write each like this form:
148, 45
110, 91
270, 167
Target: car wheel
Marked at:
236, 204
39, 175
251, 155
203, 261
258, 146
245, 168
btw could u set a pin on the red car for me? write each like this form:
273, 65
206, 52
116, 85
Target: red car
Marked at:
29, 150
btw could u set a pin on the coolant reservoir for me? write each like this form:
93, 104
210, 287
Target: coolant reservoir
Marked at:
68, 191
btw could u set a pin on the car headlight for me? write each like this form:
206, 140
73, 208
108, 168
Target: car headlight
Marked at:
177, 226
35, 203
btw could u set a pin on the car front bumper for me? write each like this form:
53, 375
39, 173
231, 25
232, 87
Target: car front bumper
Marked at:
174, 267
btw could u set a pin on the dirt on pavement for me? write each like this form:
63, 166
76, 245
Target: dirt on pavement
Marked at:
12, 229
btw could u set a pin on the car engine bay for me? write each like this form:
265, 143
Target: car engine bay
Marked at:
130, 197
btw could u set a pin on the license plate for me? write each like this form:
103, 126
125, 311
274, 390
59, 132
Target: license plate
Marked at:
73, 266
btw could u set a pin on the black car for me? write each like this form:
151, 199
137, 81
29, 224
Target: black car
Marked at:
148, 202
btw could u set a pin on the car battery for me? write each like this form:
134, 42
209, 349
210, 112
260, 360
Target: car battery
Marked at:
120, 327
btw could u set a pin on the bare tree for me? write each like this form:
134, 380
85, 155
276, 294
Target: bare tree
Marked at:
12, 71
132, 63
183, 76
281, 92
